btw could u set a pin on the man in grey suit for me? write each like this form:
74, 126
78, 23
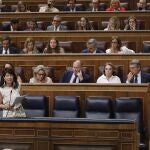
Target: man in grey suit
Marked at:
56, 24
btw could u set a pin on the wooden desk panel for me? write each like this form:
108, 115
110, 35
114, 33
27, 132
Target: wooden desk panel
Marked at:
59, 134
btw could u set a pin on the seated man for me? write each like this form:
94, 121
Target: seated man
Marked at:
142, 5
71, 6
56, 24
76, 75
49, 7
7, 47
95, 6
136, 75
92, 47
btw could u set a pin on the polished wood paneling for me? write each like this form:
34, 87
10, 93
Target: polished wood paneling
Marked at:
69, 134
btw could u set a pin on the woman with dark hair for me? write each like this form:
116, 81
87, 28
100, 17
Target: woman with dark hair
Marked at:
84, 24
8, 92
109, 75
131, 24
53, 47
10, 66
116, 47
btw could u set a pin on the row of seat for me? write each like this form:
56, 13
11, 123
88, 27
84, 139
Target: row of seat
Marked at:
96, 107
78, 46
35, 8
72, 25
51, 72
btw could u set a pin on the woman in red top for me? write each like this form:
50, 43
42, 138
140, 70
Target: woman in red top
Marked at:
115, 6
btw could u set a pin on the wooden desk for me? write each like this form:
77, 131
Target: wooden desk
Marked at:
136, 37
68, 134
85, 90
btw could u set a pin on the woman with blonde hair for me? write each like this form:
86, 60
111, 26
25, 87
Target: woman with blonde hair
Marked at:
84, 24
53, 47
113, 24
115, 6
29, 47
40, 75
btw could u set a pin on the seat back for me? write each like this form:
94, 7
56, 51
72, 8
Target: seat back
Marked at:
36, 106
146, 46
130, 108
98, 107
66, 107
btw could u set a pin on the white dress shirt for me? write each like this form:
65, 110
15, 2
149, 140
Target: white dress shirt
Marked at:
112, 79
138, 78
4, 51
72, 78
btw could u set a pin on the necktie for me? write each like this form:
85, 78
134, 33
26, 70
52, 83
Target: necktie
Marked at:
135, 79
75, 78
5, 51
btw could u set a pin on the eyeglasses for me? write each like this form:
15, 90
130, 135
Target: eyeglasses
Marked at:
41, 74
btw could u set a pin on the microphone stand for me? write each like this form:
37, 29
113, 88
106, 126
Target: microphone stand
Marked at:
9, 103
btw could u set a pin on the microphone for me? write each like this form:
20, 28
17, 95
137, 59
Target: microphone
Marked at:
9, 102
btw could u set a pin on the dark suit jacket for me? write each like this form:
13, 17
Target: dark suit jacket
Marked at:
145, 78
100, 8
98, 50
77, 8
12, 50
62, 28
68, 74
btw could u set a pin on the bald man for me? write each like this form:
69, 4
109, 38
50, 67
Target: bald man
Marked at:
142, 5
76, 75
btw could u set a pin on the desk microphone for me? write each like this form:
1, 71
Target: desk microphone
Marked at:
9, 103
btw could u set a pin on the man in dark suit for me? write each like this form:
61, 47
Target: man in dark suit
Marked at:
56, 24
76, 75
72, 7
92, 47
6, 47
136, 75
95, 6
142, 5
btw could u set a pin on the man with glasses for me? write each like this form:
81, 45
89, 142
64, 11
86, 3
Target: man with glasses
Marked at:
136, 75
95, 6
49, 7
56, 24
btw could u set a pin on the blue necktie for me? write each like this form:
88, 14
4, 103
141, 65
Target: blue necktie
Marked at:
135, 79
